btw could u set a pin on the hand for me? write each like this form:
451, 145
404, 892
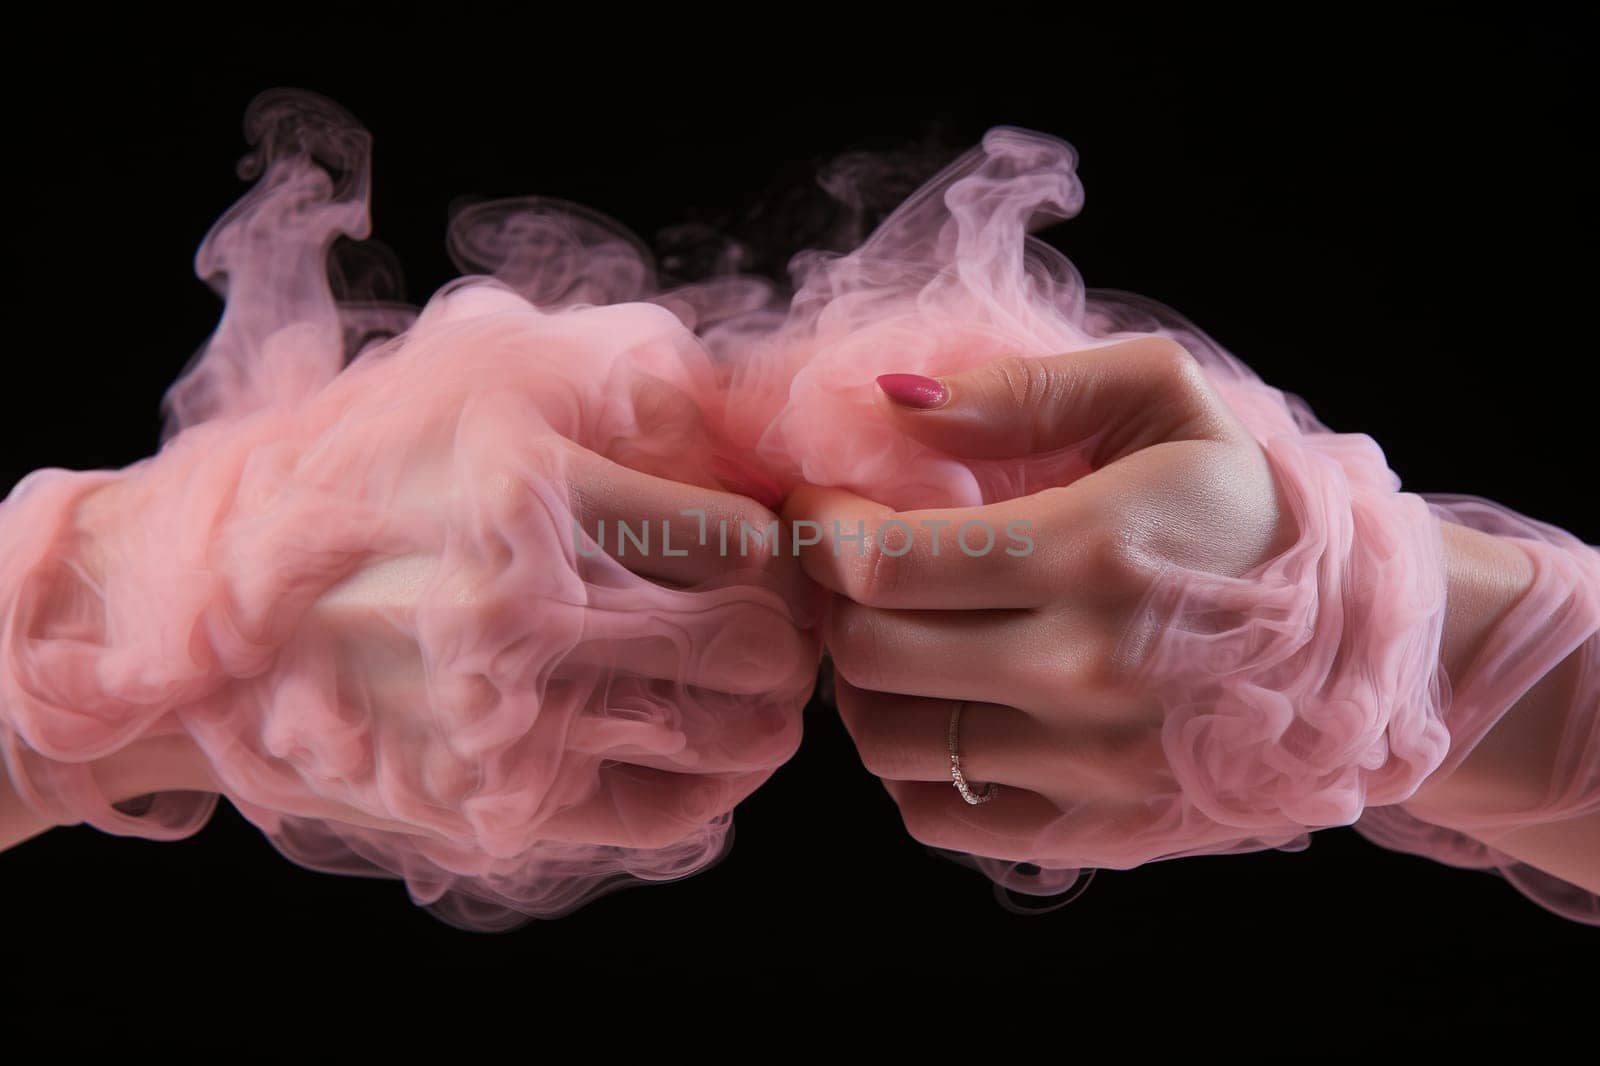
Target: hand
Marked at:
1045, 645
1181, 662
674, 675
399, 626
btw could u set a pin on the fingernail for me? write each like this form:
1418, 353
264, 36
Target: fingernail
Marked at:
914, 390
747, 481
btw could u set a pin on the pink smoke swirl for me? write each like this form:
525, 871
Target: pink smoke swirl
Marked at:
350, 574
371, 593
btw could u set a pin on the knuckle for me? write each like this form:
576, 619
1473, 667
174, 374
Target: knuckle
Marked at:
1124, 761
923, 825
1173, 367
1167, 357
1120, 747
853, 643
752, 536
739, 514
1079, 666
1023, 383
880, 568
751, 513
881, 751
1120, 562
1092, 665
878, 757
851, 714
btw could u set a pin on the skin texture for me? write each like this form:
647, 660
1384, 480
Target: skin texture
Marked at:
1048, 642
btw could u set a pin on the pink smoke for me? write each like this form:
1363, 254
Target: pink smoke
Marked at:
368, 605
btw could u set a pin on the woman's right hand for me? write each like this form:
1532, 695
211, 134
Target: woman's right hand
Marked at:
389, 622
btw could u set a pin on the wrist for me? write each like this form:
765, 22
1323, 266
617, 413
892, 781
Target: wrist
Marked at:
1508, 766
1485, 576
83, 698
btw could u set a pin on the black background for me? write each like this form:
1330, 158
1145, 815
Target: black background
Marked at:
1389, 219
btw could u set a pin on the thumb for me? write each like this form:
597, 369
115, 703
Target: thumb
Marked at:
1116, 399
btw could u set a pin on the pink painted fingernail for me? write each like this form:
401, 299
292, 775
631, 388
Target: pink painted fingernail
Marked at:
914, 390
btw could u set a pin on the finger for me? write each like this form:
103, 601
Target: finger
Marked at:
1110, 401
1022, 826
640, 807
672, 432
1003, 555
1069, 757
686, 730
718, 639
906, 738
1010, 826
1102, 540
1018, 658
738, 639
676, 533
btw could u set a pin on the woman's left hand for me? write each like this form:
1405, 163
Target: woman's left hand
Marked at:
1041, 642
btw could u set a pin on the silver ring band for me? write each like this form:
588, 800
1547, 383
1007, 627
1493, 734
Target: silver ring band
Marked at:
975, 798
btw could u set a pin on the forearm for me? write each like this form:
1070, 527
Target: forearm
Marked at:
1513, 767
1568, 849
93, 667
163, 762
